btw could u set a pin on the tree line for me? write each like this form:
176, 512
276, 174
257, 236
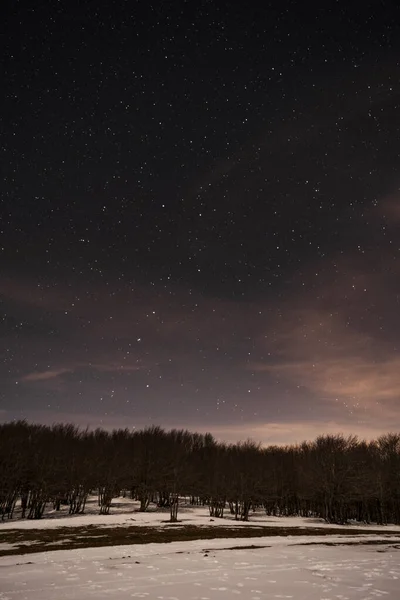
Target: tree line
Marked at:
334, 477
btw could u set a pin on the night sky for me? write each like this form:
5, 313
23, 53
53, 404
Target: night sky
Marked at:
200, 216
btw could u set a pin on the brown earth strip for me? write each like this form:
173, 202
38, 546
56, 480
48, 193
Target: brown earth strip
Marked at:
28, 541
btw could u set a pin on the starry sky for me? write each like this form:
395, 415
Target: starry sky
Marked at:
200, 216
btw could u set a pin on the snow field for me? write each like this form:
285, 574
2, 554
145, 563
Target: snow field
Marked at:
309, 567
207, 570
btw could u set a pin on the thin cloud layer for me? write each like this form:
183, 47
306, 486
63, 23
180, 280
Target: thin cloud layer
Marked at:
336, 344
141, 355
323, 358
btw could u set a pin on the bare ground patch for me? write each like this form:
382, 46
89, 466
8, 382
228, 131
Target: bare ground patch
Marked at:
28, 541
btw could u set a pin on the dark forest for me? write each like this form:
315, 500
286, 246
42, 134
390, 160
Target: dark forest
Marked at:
334, 477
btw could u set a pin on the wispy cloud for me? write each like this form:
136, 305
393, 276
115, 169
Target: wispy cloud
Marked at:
363, 383
335, 343
46, 375
51, 374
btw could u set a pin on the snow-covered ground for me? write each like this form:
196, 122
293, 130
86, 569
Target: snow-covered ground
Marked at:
124, 512
208, 570
302, 567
